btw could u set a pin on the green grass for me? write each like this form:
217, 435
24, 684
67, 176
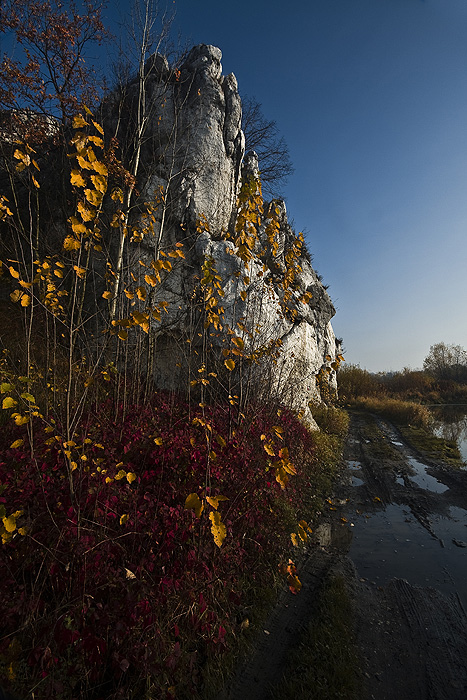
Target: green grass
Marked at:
325, 665
431, 446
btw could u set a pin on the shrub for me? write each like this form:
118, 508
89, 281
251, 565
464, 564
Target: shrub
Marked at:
354, 382
114, 589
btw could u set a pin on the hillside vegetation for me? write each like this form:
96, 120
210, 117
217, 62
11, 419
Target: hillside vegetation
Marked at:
143, 531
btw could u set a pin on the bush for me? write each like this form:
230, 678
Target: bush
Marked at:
331, 420
113, 588
354, 382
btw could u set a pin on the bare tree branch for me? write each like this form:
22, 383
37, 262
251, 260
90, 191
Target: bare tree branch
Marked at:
263, 137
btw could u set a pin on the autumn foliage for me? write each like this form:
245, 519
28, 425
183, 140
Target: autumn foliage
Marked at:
137, 527
122, 585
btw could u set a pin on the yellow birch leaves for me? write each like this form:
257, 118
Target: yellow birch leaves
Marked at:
218, 529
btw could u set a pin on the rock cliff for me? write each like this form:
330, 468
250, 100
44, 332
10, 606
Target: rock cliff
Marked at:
192, 166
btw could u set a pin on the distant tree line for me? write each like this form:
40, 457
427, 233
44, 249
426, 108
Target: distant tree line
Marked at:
443, 377
447, 362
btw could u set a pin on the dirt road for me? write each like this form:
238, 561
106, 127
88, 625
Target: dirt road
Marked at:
396, 531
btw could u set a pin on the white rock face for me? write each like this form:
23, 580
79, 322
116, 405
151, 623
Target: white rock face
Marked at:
191, 164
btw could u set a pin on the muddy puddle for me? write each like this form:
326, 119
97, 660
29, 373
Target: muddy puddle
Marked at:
392, 544
421, 536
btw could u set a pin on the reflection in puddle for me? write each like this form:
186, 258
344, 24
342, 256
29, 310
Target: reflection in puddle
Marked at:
357, 482
451, 424
392, 544
424, 480
399, 444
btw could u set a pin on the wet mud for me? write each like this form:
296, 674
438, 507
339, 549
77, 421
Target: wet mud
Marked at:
396, 530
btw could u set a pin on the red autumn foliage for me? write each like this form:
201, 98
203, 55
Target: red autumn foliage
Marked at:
49, 74
90, 606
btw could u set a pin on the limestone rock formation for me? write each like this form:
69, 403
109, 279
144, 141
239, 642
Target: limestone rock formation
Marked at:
191, 168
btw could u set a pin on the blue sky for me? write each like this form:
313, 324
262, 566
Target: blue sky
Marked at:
371, 97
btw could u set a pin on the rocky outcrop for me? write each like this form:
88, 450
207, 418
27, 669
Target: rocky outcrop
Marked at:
191, 168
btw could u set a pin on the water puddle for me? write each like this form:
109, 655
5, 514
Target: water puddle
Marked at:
424, 480
392, 544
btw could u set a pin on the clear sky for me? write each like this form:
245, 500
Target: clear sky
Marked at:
371, 97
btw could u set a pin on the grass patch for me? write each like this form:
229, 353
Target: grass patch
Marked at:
431, 446
413, 421
325, 665
397, 411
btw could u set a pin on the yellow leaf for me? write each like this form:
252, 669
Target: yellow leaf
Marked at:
16, 295
80, 271
193, 502
108, 480
294, 584
230, 364
122, 334
213, 501
14, 273
8, 402
98, 127
97, 141
79, 122
17, 443
121, 475
23, 531
86, 214
28, 397
77, 226
124, 518
281, 477
83, 163
141, 293
34, 181
9, 523
293, 537
71, 243
93, 197
268, 448
217, 528
130, 477
150, 279
238, 342
107, 295
100, 168
77, 179
117, 195
5, 386
25, 300
99, 182
302, 534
